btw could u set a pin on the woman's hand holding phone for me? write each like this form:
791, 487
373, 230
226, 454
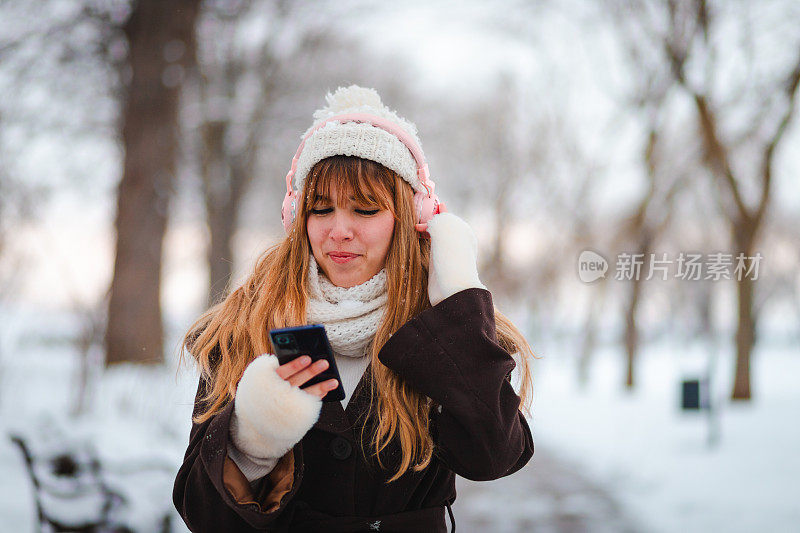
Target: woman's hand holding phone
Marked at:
296, 345
271, 413
299, 371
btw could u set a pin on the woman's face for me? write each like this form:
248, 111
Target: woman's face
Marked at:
350, 242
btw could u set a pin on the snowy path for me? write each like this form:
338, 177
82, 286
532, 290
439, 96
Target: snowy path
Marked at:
548, 495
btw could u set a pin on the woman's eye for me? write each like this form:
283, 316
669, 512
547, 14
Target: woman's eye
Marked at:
326, 210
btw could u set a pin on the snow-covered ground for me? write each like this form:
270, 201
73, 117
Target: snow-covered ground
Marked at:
654, 459
137, 420
658, 461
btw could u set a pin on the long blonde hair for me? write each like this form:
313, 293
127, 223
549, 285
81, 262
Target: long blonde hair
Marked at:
229, 335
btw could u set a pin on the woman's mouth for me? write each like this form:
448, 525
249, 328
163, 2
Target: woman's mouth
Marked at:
342, 257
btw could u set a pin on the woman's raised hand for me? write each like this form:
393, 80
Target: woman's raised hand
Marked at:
300, 370
454, 257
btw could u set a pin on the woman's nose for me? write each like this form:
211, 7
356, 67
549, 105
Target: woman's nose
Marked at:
342, 228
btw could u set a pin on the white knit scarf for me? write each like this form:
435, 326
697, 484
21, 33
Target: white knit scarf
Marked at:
350, 314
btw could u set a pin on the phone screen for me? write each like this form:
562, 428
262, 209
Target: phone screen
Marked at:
291, 343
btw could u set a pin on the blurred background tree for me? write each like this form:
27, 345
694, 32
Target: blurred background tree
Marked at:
161, 50
741, 84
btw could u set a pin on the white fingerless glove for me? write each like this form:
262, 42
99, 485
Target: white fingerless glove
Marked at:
269, 417
454, 257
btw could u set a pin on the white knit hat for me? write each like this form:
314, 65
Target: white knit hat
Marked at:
358, 138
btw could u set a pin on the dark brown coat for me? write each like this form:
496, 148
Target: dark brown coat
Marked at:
326, 483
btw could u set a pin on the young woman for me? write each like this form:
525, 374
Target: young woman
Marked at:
424, 357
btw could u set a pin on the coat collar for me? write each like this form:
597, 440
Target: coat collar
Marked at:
334, 418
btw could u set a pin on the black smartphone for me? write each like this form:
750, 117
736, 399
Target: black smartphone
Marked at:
291, 343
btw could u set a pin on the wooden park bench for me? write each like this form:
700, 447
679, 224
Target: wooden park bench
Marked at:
71, 493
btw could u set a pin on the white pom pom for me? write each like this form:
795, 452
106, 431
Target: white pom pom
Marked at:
353, 96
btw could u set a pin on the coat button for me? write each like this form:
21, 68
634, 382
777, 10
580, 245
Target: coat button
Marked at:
341, 448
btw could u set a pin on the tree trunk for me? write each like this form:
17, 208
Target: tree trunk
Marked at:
589, 342
222, 199
744, 237
631, 326
220, 253
745, 340
161, 47
632, 333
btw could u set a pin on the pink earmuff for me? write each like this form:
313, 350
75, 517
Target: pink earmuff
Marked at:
289, 210
426, 202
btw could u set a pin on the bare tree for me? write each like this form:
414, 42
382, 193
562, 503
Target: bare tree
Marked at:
254, 94
161, 41
683, 37
88, 343
664, 177
230, 128
502, 146
70, 46
644, 228
239, 84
